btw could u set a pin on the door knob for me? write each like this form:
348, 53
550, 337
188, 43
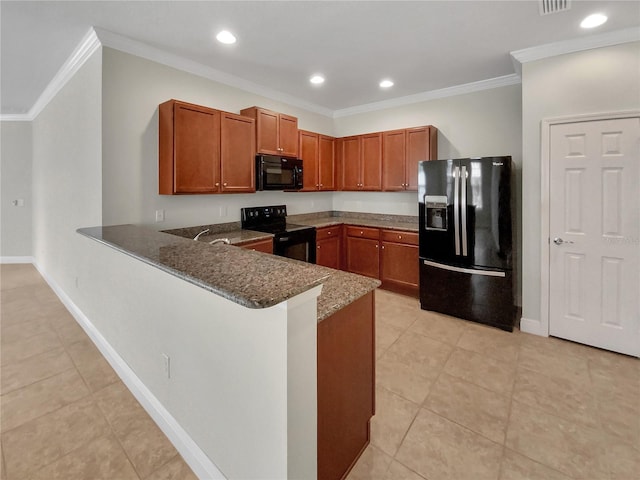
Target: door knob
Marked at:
559, 241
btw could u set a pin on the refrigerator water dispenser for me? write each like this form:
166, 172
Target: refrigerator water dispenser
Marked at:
435, 212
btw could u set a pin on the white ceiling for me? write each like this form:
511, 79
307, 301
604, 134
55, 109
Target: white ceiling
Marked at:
422, 45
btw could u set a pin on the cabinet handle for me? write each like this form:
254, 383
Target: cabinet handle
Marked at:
321, 185
399, 237
382, 247
317, 185
217, 184
318, 247
224, 184
361, 232
329, 232
376, 245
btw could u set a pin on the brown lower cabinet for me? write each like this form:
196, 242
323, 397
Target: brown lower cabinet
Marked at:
388, 255
346, 386
265, 246
329, 246
362, 255
399, 262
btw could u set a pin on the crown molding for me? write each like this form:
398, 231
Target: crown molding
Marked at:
97, 37
87, 47
577, 45
15, 117
490, 83
139, 49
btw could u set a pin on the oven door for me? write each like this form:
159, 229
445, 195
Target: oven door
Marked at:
299, 245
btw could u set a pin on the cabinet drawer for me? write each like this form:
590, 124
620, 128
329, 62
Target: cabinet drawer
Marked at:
328, 232
399, 236
363, 232
265, 246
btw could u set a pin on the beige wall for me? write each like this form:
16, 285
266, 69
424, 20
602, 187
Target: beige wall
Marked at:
67, 176
592, 81
16, 179
132, 90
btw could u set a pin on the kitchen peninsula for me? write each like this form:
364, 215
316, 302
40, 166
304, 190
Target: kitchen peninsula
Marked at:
272, 360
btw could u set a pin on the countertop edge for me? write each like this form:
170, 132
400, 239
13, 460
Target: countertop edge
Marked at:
225, 293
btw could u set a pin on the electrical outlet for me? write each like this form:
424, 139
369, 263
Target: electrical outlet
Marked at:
159, 215
167, 364
18, 203
223, 211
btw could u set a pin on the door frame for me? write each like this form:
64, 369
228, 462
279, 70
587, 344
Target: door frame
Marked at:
545, 207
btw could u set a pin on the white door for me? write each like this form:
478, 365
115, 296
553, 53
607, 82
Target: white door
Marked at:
594, 269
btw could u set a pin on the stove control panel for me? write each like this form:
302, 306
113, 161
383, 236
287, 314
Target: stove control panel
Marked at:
257, 216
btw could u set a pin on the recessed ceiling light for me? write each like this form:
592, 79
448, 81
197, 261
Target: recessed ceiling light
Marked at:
317, 79
386, 84
226, 37
593, 21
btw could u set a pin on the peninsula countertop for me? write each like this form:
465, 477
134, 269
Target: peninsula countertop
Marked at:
249, 278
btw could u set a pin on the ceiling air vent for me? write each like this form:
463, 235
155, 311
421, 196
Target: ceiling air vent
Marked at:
554, 6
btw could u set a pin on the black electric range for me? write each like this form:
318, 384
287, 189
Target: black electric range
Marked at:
290, 240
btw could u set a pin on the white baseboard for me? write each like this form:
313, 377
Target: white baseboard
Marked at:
534, 327
197, 460
9, 260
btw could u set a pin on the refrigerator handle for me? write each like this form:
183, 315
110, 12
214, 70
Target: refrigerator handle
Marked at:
463, 209
456, 207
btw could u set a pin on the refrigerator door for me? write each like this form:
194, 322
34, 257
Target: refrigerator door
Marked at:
483, 296
437, 217
485, 213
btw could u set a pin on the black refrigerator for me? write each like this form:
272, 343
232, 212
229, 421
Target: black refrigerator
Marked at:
465, 219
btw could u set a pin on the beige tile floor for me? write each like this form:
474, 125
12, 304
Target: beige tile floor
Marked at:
455, 400
64, 413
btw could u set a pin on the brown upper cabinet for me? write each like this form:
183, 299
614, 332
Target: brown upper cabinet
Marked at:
317, 154
361, 162
276, 133
402, 150
203, 150
237, 154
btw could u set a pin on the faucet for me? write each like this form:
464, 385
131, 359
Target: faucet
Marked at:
220, 240
198, 235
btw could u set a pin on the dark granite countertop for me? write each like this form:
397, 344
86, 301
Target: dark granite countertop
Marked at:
231, 231
328, 221
236, 237
249, 278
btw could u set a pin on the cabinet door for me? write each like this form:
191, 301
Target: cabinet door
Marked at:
196, 157
267, 132
237, 162
363, 256
309, 152
393, 160
328, 252
371, 162
326, 161
399, 267
419, 148
329, 246
288, 135
350, 155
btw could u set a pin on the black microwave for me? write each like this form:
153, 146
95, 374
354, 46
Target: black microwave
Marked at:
274, 172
